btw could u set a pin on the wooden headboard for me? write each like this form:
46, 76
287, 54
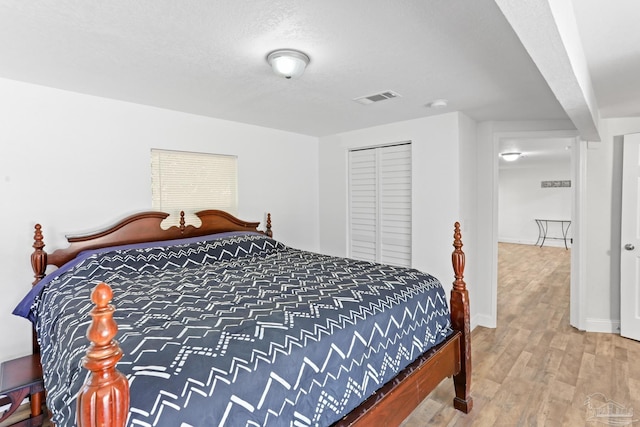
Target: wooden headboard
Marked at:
138, 228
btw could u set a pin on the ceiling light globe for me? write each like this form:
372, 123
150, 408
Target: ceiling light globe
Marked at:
287, 63
438, 103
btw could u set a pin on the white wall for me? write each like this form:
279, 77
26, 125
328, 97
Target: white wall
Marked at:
74, 162
522, 200
467, 130
438, 155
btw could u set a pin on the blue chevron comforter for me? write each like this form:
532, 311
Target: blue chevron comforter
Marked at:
237, 330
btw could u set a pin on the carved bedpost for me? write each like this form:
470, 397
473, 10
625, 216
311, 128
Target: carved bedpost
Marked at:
39, 267
461, 321
182, 222
104, 399
39, 256
269, 232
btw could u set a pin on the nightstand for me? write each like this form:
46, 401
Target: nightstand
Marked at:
21, 378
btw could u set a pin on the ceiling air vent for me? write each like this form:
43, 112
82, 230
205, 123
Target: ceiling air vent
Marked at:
370, 99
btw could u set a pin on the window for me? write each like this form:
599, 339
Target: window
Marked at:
380, 204
191, 182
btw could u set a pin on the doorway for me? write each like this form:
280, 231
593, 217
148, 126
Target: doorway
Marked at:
578, 178
534, 224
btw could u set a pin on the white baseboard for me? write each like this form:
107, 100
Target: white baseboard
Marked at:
482, 320
603, 325
592, 325
516, 241
553, 243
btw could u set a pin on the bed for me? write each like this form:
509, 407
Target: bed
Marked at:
223, 325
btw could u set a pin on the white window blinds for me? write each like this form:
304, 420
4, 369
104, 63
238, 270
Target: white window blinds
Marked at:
191, 182
380, 204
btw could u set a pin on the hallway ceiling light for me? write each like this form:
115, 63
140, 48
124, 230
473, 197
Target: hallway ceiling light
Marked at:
512, 156
288, 63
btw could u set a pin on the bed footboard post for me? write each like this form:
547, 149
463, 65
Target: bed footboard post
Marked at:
104, 398
461, 321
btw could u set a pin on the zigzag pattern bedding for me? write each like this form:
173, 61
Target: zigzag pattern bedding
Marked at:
240, 331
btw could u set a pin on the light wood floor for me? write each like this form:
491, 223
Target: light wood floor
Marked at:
534, 369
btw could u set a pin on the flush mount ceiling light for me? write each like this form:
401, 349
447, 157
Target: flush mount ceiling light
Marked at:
510, 157
438, 103
288, 63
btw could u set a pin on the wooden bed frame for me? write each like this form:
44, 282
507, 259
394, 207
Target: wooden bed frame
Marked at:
104, 400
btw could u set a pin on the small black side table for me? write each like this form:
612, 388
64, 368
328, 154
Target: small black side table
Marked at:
20, 378
543, 226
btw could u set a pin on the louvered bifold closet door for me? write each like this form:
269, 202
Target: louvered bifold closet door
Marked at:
380, 204
363, 203
395, 204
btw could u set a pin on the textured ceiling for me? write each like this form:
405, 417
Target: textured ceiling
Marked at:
208, 58
610, 37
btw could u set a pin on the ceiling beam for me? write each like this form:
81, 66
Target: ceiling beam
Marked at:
549, 33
